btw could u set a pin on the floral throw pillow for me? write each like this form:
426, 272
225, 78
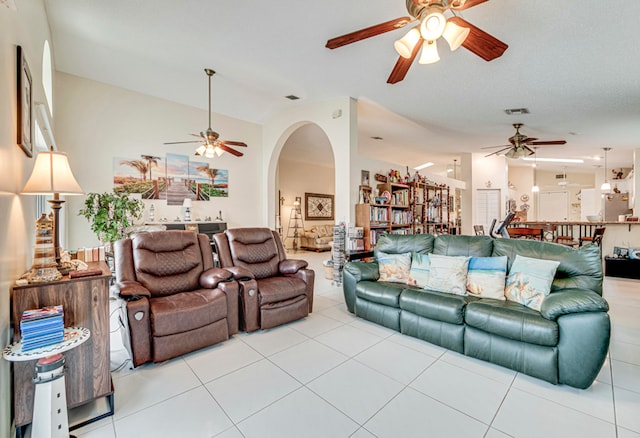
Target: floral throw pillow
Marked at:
486, 277
394, 267
448, 274
419, 272
529, 281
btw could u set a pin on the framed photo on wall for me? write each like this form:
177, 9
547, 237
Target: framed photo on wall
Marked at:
25, 121
364, 177
318, 207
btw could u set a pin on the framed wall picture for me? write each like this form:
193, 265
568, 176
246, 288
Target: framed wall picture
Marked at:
364, 177
25, 121
318, 207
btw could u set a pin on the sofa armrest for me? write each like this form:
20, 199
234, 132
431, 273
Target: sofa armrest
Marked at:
566, 301
291, 266
129, 289
211, 277
363, 271
240, 273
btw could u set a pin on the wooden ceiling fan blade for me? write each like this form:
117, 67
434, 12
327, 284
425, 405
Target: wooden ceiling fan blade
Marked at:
368, 32
529, 149
479, 42
402, 65
529, 140
183, 142
234, 143
461, 5
197, 135
231, 151
552, 142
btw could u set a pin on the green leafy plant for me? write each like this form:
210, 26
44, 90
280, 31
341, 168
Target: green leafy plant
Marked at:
111, 214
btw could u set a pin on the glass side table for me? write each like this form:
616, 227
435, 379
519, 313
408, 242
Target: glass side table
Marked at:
50, 418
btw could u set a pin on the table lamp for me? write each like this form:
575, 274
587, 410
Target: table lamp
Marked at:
52, 175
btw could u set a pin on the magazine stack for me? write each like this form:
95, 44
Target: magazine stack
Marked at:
42, 327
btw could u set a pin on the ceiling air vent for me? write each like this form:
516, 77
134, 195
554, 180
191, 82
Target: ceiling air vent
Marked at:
516, 111
292, 97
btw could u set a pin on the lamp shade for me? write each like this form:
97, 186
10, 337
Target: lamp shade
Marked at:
429, 53
405, 45
432, 25
535, 189
52, 174
455, 35
516, 153
187, 203
606, 186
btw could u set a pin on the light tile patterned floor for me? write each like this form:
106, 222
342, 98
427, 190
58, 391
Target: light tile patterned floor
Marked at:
332, 375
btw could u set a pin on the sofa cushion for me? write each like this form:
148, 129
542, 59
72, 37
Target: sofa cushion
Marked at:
399, 243
187, 311
280, 288
512, 320
470, 246
529, 280
434, 305
379, 292
486, 277
419, 272
579, 268
448, 274
394, 267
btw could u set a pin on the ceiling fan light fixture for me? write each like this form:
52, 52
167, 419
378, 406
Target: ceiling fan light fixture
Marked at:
516, 153
429, 53
209, 151
201, 150
455, 35
405, 45
432, 26
218, 151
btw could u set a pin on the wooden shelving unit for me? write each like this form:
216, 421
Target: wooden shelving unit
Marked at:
430, 207
394, 216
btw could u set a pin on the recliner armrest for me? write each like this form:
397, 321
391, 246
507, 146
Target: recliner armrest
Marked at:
291, 266
240, 273
130, 289
565, 301
211, 277
363, 271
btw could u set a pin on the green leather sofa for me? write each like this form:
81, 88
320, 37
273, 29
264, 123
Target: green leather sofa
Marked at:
566, 342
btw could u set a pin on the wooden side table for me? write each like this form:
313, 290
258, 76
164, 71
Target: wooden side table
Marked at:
86, 304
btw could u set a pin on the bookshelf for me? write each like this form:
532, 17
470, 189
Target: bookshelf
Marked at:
394, 215
430, 207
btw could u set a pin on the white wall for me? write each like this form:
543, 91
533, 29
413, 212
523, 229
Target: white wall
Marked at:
96, 122
338, 119
28, 27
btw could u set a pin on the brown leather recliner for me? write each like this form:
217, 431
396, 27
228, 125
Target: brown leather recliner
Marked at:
177, 301
273, 289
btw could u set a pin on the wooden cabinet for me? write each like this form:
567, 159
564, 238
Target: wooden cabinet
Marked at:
86, 304
431, 207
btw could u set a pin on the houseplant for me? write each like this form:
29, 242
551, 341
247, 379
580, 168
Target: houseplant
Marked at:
111, 214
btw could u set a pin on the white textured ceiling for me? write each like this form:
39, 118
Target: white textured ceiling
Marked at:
573, 64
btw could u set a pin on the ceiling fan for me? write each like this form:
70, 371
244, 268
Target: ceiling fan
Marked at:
211, 143
432, 25
520, 143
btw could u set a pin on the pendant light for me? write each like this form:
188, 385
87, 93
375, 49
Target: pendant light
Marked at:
606, 186
535, 188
